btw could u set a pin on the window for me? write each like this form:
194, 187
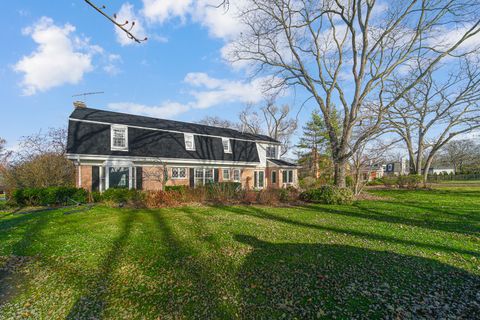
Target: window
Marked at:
236, 175
118, 177
119, 138
287, 176
258, 179
271, 151
274, 176
189, 141
203, 176
226, 174
226, 145
179, 173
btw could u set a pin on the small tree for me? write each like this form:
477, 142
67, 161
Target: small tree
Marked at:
313, 143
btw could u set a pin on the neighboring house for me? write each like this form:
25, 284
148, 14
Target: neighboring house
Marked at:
396, 168
372, 172
441, 170
113, 149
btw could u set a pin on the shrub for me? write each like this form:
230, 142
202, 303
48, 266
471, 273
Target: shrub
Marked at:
49, 196
329, 195
411, 181
120, 196
389, 181
158, 199
180, 189
268, 197
308, 183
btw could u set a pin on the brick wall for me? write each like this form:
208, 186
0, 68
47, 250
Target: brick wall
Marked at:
85, 177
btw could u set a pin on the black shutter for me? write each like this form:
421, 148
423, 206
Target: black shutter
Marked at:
95, 178
192, 178
139, 173
215, 175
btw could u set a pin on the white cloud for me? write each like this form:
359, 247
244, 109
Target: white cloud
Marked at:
209, 92
111, 67
57, 60
167, 109
163, 10
445, 38
127, 13
224, 91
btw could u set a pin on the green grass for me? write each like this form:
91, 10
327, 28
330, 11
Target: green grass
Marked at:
406, 256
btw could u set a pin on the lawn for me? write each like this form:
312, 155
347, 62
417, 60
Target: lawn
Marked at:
411, 254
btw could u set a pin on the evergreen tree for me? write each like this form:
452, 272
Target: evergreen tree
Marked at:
313, 143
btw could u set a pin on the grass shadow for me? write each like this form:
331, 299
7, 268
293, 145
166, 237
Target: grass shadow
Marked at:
306, 281
259, 213
92, 303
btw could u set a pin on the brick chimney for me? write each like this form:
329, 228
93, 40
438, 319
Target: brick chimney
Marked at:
79, 105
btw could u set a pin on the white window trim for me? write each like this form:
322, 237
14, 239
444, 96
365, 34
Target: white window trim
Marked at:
192, 136
239, 175
258, 176
229, 174
179, 178
276, 177
118, 127
229, 149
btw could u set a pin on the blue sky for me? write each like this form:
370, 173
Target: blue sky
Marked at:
54, 49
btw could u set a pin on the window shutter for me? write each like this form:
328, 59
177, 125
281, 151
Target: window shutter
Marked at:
139, 183
95, 178
215, 175
192, 177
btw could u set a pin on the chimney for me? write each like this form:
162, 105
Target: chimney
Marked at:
79, 105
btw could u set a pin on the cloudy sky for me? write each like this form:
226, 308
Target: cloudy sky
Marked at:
54, 49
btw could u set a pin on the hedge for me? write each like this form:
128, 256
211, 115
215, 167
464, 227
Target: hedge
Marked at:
49, 196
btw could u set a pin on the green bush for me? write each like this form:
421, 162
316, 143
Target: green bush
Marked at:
122, 196
329, 195
49, 196
308, 183
410, 181
389, 181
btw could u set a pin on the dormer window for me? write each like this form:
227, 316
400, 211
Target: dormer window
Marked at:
226, 145
119, 137
189, 141
271, 152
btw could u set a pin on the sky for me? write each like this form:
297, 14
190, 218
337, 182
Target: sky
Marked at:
55, 49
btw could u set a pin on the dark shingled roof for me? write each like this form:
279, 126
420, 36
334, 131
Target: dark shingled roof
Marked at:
148, 122
282, 163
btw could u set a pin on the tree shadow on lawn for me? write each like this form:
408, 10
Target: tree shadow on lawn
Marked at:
306, 281
11, 278
466, 226
259, 213
92, 303
196, 292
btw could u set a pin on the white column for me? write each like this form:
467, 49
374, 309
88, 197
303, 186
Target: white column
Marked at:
102, 178
130, 178
107, 178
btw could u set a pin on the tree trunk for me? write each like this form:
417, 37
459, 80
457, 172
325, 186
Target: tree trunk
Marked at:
428, 163
340, 174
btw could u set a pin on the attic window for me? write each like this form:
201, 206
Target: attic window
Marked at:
271, 152
226, 145
189, 141
119, 137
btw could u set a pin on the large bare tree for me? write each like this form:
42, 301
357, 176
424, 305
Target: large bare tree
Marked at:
343, 52
437, 109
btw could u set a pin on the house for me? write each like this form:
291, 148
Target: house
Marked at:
397, 168
111, 149
372, 172
441, 170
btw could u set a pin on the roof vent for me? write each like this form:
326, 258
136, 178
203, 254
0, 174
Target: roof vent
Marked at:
79, 104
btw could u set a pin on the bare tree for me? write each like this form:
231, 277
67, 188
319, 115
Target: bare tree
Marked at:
280, 126
342, 53
459, 154
435, 110
250, 120
4, 153
215, 121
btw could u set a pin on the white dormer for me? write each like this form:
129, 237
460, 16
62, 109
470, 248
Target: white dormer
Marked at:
226, 145
118, 137
189, 141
